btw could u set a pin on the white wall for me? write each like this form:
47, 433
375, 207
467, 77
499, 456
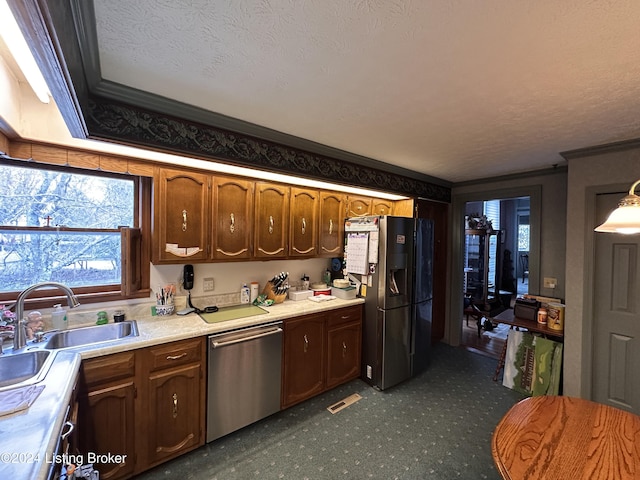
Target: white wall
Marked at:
229, 277
10, 98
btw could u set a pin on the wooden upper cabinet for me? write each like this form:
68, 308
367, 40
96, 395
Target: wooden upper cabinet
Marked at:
404, 208
381, 207
359, 206
232, 218
303, 222
180, 216
331, 224
271, 222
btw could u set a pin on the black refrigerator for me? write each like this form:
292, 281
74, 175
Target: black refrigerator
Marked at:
422, 301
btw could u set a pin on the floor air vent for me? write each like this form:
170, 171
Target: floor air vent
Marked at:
342, 404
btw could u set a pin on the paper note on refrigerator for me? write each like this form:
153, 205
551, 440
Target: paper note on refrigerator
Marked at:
373, 246
357, 246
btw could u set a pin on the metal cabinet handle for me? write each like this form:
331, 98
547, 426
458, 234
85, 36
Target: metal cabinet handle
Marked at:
270, 224
306, 344
184, 220
344, 349
175, 405
330, 227
176, 357
232, 225
71, 427
304, 225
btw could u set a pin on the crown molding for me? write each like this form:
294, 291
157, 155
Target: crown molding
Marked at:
602, 149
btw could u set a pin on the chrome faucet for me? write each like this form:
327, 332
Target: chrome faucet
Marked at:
19, 334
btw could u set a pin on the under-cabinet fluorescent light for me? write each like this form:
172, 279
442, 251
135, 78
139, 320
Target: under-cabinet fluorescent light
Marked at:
626, 218
177, 160
17, 45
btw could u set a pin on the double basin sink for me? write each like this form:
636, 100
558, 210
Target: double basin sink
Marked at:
30, 365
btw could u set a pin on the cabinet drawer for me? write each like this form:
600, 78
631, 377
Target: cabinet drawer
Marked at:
345, 315
176, 353
108, 368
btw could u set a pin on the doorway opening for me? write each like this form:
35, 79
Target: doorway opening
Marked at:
496, 245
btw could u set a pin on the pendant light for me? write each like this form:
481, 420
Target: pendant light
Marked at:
626, 218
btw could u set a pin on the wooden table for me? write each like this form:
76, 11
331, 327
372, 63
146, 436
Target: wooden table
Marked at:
566, 438
507, 317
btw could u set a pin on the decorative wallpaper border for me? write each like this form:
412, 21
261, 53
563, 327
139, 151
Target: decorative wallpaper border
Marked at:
125, 123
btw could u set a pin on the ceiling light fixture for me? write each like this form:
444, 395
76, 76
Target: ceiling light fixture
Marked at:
626, 218
17, 45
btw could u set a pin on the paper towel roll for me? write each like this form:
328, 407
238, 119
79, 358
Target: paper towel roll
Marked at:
254, 291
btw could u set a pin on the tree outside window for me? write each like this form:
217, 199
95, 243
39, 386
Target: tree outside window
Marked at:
63, 227
523, 238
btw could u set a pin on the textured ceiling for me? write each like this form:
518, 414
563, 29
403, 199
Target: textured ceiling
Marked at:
455, 89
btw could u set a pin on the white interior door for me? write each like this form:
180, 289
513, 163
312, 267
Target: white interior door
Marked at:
616, 352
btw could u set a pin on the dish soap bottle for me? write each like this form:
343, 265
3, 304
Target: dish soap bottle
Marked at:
59, 317
245, 295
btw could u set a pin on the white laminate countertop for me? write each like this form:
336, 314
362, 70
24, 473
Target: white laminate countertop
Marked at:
28, 438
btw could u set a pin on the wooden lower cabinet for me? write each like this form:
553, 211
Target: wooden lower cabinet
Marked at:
175, 406
106, 404
321, 351
304, 358
147, 405
344, 340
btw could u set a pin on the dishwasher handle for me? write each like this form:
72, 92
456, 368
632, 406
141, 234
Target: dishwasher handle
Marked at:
226, 343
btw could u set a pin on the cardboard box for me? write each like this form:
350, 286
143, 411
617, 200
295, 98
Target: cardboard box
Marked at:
299, 294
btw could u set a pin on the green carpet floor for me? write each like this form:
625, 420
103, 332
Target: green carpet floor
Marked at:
437, 425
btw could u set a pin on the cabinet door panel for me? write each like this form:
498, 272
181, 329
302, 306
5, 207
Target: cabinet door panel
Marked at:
343, 354
106, 420
232, 217
175, 415
303, 225
382, 207
271, 220
359, 206
181, 216
331, 224
304, 354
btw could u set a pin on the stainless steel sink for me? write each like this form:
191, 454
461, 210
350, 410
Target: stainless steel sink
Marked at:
19, 367
79, 337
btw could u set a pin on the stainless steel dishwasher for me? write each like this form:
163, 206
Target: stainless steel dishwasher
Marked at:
244, 376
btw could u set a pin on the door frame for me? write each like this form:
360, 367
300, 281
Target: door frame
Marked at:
453, 327
588, 327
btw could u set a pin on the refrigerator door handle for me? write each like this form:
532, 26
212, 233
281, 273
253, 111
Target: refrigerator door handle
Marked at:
412, 340
393, 286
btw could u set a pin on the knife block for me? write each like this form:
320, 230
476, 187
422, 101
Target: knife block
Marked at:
268, 291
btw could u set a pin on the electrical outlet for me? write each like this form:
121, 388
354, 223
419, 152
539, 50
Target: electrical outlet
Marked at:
550, 282
369, 372
207, 284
